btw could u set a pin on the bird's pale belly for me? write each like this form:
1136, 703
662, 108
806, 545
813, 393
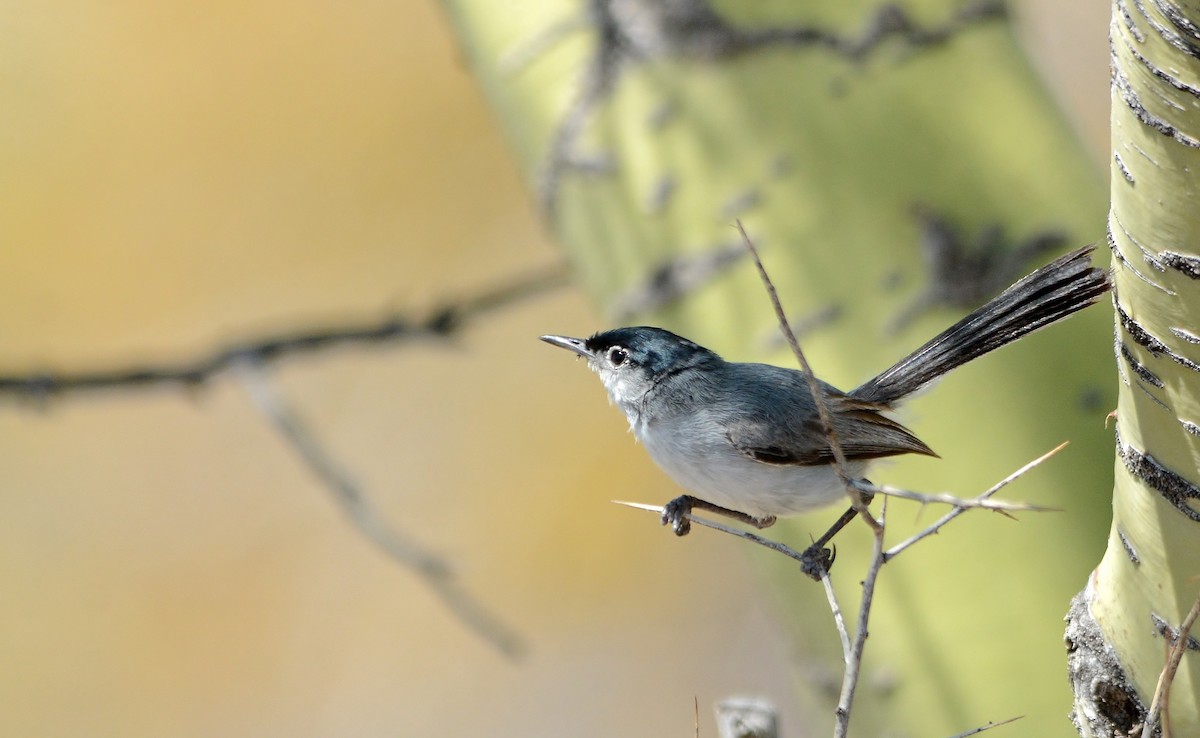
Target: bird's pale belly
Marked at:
720, 474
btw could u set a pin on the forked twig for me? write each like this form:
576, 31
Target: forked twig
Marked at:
941, 522
432, 569
977, 503
853, 660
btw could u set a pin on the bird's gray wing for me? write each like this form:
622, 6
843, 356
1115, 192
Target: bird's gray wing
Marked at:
799, 439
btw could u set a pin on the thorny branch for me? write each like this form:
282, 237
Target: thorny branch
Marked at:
852, 649
961, 506
1002, 507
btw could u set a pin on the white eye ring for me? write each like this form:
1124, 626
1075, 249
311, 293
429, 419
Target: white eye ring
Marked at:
617, 356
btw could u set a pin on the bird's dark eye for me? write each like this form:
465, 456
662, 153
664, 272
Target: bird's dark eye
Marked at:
617, 356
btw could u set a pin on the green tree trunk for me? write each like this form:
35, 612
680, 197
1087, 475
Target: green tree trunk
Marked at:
845, 136
1150, 575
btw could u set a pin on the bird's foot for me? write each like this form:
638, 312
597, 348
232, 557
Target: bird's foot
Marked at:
675, 514
816, 561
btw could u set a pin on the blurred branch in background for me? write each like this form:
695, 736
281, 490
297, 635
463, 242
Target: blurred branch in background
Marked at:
631, 33
965, 271
249, 360
432, 569
440, 323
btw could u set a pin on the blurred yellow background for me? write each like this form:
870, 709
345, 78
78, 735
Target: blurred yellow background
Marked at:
177, 177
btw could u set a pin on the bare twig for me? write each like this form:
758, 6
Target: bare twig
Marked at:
839, 458
1162, 692
841, 715
839, 620
989, 726
945, 498
894, 551
784, 549
441, 323
429, 567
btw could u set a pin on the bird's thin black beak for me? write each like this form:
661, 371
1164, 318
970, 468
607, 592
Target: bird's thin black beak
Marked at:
572, 344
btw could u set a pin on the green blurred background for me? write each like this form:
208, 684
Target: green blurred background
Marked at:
180, 176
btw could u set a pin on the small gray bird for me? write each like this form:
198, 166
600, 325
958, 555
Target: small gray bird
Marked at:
746, 440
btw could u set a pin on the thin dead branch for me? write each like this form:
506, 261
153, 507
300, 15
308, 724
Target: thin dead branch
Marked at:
841, 715
959, 509
1162, 692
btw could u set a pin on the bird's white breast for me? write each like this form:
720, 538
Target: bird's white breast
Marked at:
716, 472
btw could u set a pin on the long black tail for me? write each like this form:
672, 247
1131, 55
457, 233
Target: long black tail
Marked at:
1049, 294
